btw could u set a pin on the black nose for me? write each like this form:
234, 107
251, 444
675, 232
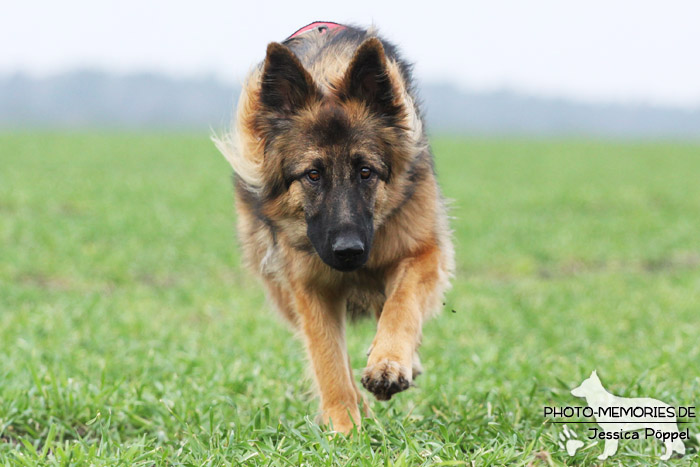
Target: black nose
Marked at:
348, 246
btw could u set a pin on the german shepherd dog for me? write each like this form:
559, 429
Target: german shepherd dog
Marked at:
339, 211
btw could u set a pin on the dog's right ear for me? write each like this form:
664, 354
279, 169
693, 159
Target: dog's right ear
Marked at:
367, 79
286, 85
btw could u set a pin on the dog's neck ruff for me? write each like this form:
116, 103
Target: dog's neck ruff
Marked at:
321, 27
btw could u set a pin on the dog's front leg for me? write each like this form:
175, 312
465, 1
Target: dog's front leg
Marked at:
322, 320
411, 287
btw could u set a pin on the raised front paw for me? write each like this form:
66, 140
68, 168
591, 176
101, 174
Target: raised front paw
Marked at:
385, 378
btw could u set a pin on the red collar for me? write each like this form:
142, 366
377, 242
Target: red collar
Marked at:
321, 26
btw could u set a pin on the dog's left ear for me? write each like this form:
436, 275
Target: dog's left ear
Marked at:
367, 79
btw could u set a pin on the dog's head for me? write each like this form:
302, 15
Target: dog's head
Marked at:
330, 155
590, 386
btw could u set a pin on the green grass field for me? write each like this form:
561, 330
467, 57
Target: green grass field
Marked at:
130, 335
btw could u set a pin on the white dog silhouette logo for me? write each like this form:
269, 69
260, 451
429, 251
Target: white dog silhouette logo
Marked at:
617, 415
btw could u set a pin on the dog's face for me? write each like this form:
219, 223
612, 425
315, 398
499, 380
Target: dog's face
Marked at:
335, 180
330, 157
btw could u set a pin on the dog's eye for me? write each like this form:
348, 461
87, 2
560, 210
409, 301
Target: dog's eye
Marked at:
365, 173
313, 175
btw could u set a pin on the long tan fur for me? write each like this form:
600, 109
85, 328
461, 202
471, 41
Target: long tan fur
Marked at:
411, 258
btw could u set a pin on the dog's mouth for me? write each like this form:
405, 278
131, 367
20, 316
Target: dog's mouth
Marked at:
345, 263
344, 257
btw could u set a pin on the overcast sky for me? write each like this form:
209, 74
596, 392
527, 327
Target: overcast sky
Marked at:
640, 51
